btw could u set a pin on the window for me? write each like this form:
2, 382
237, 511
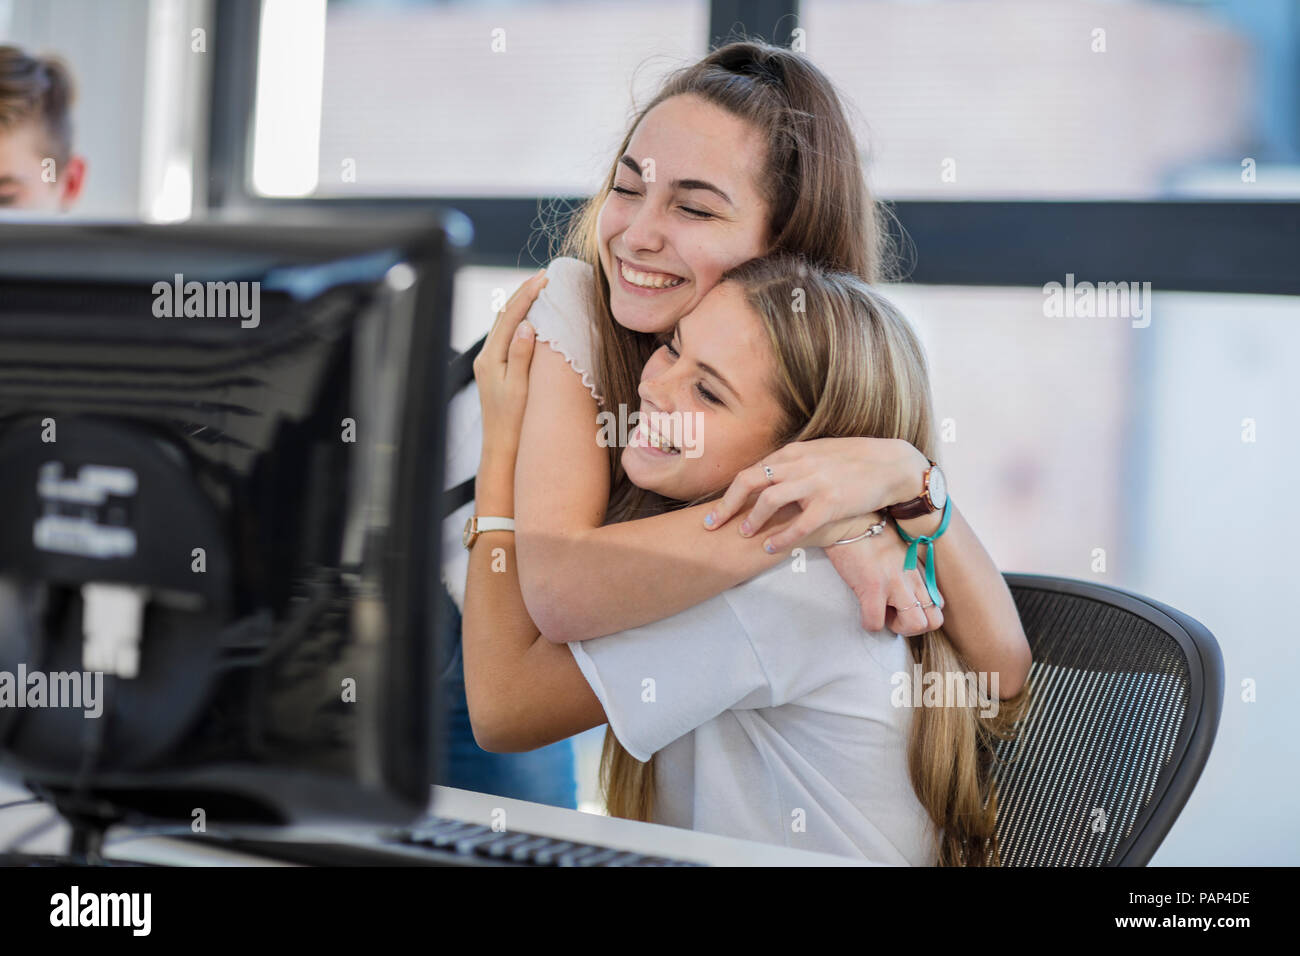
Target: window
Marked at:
460, 99
1000, 99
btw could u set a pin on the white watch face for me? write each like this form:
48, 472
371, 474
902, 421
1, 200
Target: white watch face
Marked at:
938, 488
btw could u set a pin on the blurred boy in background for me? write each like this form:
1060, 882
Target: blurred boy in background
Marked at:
38, 170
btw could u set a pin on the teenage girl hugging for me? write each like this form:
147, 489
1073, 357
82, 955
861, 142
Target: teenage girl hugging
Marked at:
766, 712
758, 678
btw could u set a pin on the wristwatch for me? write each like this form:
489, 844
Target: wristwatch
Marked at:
474, 526
932, 498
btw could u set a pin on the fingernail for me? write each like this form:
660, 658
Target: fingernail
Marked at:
767, 546
539, 272
745, 529
709, 519
525, 331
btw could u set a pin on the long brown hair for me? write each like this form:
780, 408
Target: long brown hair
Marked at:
813, 183
848, 364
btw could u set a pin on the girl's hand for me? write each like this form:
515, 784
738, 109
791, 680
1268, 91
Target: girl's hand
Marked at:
501, 372
873, 568
837, 483
831, 479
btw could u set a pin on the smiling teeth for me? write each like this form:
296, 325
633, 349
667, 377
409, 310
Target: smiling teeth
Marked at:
649, 280
657, 441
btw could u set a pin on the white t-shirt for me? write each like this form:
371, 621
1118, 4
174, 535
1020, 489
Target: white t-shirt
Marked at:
770, 707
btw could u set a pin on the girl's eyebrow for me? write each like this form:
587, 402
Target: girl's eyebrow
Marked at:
633, 165
677, 331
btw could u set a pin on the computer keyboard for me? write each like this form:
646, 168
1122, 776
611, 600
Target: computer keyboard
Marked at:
444, 835
432, 841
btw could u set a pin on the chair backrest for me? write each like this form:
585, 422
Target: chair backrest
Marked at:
1125, 700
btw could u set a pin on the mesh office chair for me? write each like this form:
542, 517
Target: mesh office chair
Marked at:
1125, 705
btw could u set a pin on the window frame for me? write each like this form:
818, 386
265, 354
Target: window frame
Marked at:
1209, 245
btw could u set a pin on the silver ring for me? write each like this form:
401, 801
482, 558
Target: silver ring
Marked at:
768, 471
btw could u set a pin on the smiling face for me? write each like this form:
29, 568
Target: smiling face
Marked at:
685, 208
708, 393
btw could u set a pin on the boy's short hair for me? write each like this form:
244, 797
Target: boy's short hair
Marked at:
37, 88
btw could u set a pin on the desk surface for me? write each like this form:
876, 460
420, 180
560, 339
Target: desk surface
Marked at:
482, 808
648, 838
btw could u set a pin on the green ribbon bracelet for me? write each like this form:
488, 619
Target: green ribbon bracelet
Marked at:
927, 539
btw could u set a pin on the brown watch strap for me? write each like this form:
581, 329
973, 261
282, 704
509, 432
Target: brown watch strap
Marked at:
918, 506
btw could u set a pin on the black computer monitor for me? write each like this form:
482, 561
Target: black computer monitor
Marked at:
221, 452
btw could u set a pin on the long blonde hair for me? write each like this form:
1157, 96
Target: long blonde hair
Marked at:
849, 364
